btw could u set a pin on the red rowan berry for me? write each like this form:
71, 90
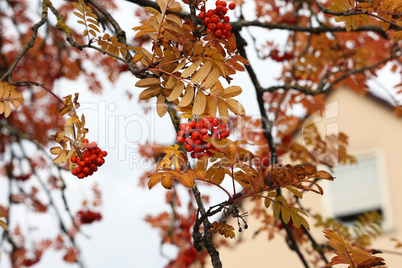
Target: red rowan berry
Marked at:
218, 33
222, 16
86, 170
214, 19
73, 159
215, 121
81, 176
85, 141
204, 131
197, 142
104, 153
87, 160
207, 21
82, 163
226, 19
180, 139
182, 126
188, 130
224, 10
224, 134
232, 6
198, 149
190, 141
219, 25
94, 145
206, 123
98, 162
201, 15
218, 3
219, 9
74, 171
212, 26
198, 126
195, 135
191, 124
93, 167
227, 27
223, 3
78, 170
188, 147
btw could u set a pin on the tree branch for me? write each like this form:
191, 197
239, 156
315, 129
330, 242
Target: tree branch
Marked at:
315, 30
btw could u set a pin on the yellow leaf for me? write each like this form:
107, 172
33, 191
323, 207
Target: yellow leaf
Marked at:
217, 89
198, 48
230, 92
191, 69
211, 106
276, 209
7, 109
178, 89
154, 179
174, 18
201, 73
397, 36
4, 225
175, 7
56, 150
161, 105
146, 82
235, 107
199, 103
150, 92
211, 79
188, 96
219, 175
174, 28
161, 4
78, 7
223, 110
180, 66
79, 15
171, 82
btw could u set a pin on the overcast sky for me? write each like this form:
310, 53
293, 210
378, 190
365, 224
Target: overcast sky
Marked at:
123, 239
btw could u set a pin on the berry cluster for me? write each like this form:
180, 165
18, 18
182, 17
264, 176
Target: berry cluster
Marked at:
88, 216
92, 158
194, 135
274, 54
216, 19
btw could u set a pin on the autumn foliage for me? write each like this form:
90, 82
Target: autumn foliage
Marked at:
183, 57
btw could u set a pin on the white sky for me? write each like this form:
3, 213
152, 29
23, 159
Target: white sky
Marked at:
123, 239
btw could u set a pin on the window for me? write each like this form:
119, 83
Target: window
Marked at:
359, 188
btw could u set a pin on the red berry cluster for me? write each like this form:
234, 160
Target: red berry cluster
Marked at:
194, 135
274, 54
92, 158
88, 216
216, 19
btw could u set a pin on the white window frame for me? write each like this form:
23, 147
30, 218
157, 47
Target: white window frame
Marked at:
384, 192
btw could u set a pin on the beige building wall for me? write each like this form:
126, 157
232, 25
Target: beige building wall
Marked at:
371, 126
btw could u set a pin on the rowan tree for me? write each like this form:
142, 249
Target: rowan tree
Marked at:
184, 56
